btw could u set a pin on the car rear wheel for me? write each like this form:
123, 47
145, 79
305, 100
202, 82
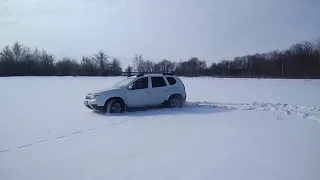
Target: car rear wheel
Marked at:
175, 101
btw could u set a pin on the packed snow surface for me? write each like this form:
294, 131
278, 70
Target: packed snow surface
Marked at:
229, 129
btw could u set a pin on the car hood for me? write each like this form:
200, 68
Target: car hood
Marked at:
104, 90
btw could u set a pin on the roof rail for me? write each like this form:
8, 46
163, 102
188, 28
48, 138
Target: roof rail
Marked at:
139, 74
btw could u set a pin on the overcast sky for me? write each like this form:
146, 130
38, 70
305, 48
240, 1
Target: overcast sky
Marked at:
174, 29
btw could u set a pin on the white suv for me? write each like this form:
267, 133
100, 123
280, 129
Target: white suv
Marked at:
139, 91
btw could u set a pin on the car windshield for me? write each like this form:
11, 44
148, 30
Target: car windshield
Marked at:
123, 83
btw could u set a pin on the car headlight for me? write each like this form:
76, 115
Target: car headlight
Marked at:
91, 96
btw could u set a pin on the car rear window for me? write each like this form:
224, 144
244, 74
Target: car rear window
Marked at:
158, 82
171, 80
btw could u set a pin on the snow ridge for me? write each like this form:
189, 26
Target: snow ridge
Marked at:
312, 113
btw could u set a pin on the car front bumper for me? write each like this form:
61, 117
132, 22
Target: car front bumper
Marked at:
91, 104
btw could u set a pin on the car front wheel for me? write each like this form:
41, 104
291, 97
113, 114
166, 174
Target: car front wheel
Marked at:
114, 106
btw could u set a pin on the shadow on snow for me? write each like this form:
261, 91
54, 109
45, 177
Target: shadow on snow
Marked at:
160, 111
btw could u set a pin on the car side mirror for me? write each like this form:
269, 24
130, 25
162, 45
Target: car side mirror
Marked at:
130, 87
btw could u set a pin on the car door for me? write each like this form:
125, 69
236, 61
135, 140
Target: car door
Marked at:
139, 93
158, 90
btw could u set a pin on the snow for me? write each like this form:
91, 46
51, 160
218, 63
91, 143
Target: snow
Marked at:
229, 129
293, 92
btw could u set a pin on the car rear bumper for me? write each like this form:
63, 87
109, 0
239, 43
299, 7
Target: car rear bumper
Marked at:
184, 96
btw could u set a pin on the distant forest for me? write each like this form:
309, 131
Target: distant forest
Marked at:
300, 60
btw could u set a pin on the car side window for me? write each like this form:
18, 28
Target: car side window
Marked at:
158, 82
171, 80
141, 83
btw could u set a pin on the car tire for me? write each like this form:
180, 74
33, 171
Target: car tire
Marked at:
175, 101
114, 107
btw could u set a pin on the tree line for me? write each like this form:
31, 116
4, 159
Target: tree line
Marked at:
300, 60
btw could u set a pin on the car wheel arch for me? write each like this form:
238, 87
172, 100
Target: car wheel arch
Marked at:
113, 99
175, 94
172, 95
166, 102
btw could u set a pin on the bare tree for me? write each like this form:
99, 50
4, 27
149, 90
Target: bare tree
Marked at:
166, 66
7, 61
88, 67
115, 67
129, 69
138, 63
102, 60
301, 60
18, 51
46, 62
67, 67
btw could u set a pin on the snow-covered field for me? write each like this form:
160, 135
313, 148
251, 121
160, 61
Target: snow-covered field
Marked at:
230, 129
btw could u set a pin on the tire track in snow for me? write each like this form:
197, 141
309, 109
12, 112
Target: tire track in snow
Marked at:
42, 141
24, 146
5, 150
60, 137
312, 113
